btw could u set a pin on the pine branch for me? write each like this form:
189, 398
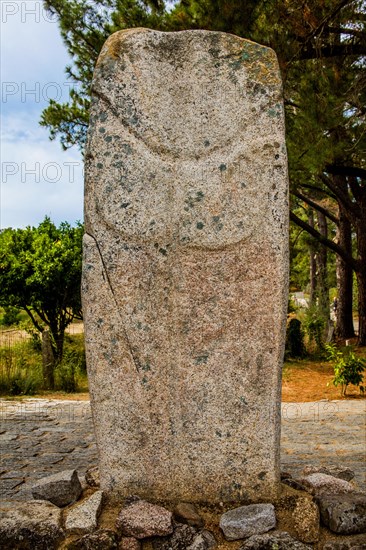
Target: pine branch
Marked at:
326, 242
316, 206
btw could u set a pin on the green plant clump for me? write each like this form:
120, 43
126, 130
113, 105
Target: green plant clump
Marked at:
314, 326
348, 368
10, 316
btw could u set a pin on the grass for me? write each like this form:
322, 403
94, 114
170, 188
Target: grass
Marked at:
21, 368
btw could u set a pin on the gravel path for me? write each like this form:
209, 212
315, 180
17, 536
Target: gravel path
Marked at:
39, 437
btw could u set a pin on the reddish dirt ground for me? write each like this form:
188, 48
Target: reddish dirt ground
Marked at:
308, 381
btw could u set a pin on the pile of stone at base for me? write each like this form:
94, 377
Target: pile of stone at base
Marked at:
319, 511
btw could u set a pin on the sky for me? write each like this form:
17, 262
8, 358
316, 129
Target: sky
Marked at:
38, 178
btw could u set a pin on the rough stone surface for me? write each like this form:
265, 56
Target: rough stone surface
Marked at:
182, 537
203, 541
303, 514
185, 512
279, 540
129, 543
83, 517
92, 477
306, 520
61, 489
30, 525
356, 542
294, 484
344, 514
103, 539
245, 521
142, 519
320, 484
185, 265
337, 471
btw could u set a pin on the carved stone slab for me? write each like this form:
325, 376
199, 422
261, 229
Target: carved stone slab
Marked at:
185, 265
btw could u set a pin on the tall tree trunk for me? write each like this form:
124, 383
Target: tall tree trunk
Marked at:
312, 274
361, 275
344, 316
322, 273
48, 361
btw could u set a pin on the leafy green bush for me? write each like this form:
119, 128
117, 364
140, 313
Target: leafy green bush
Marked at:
10, 316
348, 368
295, 346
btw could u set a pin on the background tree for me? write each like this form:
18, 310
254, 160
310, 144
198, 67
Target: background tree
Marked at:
40, 272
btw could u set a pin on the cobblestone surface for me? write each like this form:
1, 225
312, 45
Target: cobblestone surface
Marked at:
39, 437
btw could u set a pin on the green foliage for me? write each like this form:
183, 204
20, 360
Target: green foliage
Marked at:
314, 327
40, 272
295, 347
348, 368
10, 317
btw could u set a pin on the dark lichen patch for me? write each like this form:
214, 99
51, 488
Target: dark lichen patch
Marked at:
146, 367
191, 200
103, 116
108, 139
125, 204
218, 433
201, 359
144, 380
206, 143
102, 130
262, 475
222, 167
100, 322
217, 221
200, 225
243, 184
99, 165
126, 148
163, 251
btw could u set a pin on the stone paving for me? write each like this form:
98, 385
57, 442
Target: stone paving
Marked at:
39, 437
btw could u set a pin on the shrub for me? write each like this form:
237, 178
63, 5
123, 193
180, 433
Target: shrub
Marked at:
10, 317
348, 368
314, 326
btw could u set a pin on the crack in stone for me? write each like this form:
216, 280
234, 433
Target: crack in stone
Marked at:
108, 281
